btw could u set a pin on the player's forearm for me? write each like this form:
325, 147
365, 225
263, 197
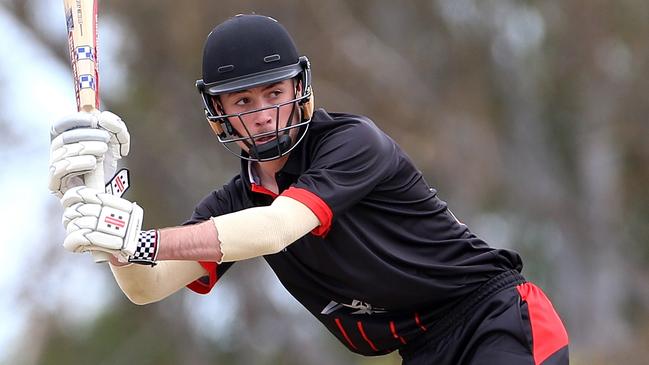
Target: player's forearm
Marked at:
178, 250
247, 233
198, 242
144, 284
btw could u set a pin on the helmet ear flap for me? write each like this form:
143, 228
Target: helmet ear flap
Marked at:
307, 107
207, 101
217, 129
217, 126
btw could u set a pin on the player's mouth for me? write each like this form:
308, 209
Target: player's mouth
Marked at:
264, 139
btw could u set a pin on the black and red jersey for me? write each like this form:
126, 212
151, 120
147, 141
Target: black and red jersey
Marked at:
389, 258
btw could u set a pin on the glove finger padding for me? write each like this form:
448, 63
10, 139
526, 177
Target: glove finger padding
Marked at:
66, 173
84, 240
80, 194
74, 153
120, 139
71, 161
98, 221
95, 136
80, 135
79, 210
60, 149
74, 121
119, 133
105, 120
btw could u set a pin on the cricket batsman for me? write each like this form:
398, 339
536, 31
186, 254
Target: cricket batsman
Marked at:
335, 207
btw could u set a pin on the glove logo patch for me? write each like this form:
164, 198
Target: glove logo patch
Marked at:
117, 222
113, 221
119, 183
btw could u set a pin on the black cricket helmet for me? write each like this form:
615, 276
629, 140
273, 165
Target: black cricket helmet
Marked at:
247, 51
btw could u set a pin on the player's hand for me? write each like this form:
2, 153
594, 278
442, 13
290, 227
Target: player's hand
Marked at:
79, 141
95, 221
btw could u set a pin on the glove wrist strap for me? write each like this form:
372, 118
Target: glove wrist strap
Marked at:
146, 251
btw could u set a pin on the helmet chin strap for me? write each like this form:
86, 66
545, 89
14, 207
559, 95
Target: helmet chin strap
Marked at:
269, 150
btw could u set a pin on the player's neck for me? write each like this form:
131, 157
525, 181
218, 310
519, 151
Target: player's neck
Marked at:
266, 171
270, 167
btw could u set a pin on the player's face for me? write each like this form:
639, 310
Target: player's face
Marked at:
266, 120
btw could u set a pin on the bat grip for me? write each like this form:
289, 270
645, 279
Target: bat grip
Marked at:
95, 180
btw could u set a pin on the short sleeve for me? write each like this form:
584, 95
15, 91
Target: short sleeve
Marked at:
348, 163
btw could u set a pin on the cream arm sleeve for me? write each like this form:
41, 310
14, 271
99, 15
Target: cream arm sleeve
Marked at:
261, 231
144, 284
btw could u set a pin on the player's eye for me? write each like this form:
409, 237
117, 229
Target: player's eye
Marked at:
243, 101
275, 93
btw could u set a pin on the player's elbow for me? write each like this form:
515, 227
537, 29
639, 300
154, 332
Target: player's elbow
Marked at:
140, 298
138, 283
137, 294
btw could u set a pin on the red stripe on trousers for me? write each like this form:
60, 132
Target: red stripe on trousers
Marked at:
360, 328
342, 330
548, 333
423, 328
395, 334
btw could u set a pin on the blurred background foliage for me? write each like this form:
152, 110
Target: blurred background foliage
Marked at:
530, 117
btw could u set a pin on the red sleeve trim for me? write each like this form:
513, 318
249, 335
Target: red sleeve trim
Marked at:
199, 286
548, 333
317, 206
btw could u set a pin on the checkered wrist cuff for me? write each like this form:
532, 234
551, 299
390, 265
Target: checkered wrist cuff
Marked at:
147, 248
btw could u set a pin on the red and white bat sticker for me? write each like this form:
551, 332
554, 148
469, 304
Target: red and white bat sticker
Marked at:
119, 183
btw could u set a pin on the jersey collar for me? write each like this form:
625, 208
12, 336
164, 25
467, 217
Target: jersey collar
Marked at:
294, 166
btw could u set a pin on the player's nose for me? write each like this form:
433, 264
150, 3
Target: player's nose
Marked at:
264, 117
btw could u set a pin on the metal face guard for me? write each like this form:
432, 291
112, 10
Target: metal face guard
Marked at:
268, 151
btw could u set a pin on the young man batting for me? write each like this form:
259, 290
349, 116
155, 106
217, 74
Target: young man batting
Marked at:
335, 207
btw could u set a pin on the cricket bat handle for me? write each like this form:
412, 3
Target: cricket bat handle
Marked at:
81, 22
95, 180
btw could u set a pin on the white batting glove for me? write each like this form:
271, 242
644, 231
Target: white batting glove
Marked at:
79, 141
97, 221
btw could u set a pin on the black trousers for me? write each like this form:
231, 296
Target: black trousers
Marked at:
514, 323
